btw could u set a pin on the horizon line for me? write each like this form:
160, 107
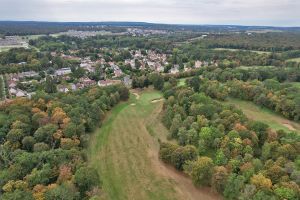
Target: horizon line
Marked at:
154, 23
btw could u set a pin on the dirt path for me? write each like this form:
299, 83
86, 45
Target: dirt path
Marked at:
136, 95
182, 183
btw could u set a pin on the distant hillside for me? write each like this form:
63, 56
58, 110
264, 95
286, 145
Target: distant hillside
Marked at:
32, 27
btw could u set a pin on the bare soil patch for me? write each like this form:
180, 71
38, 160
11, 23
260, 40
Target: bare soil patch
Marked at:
289, 126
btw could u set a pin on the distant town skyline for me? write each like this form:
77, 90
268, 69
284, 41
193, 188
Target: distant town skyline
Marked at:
235, 12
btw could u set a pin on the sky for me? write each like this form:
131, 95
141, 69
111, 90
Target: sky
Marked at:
238, 12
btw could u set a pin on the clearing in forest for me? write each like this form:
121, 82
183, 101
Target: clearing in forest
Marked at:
274, 120
125, 153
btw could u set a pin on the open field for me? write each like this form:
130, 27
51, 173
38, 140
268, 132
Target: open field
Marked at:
125, 152
228, 49
294, 60
267, 116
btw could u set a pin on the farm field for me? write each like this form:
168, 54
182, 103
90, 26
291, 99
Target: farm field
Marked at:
257, 113
125, 153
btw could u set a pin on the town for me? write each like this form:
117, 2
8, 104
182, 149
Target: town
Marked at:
102, 71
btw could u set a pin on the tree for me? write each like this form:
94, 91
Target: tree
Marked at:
195, 83
50, 86
285, 193
124, 93
261, 182
206, 134
219, 178
157, 80
28, 142
86, 178
40, 146
41, 176
62, 192
15, 135
17, 194
220, 159
234, 186
201, 170
45, 133
183, 154
166, 150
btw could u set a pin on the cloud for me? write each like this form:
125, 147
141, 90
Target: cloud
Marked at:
246, 12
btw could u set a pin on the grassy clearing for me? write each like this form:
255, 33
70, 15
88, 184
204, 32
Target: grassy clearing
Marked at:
120, 151
228, 49
255, 67
294, 60
296, 84
267, 116
182, 82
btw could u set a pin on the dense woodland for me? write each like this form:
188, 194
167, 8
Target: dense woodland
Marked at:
44, 140
255, 41
219, 147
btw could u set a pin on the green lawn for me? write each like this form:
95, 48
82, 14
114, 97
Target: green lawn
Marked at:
121, 150
275, 121
182, 82
294, 60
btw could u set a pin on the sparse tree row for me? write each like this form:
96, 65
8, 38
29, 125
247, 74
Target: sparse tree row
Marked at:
219, 146
43, 141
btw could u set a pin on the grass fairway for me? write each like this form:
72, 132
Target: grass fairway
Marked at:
228, 49
121, 152
294, 60
125, 153
267, 116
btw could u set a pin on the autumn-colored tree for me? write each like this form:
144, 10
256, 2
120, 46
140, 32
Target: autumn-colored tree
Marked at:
261, 182
200, 170
219, 178
65, 173
59, 117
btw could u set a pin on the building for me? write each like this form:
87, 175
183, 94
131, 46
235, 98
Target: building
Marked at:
175, 69
198, 64
103, 83
63, 71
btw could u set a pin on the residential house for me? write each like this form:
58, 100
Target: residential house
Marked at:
198, 64
103, 83
175, 69
63, 88
63, 71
